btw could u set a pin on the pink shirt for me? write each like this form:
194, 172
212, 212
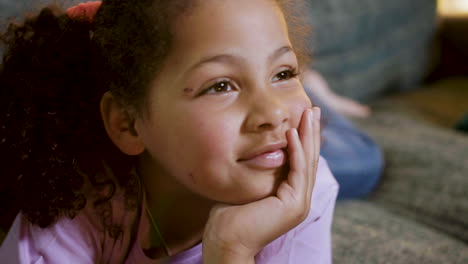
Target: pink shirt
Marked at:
82, 239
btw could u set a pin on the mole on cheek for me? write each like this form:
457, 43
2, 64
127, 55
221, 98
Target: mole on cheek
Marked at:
188, 90
192, 178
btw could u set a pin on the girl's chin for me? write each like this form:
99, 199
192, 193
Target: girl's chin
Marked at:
266, 189
254, 196
266, 185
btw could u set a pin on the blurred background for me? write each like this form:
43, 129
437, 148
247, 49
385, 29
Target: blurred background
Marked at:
452, 7
408, 60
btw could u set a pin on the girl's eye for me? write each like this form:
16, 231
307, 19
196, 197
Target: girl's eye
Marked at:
285, 75
219, 87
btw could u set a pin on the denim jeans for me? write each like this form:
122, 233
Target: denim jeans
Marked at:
353, 157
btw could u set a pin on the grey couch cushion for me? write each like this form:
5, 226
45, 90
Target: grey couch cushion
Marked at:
368, 47
426, 172
366, 233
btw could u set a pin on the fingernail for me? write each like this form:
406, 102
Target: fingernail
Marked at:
317, 113
310, 116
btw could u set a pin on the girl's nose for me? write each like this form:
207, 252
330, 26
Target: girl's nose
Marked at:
266, 112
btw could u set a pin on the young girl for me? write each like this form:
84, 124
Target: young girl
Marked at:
213, 154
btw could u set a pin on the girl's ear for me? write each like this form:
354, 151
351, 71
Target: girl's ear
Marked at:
120, 126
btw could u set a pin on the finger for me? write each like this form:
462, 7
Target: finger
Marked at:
306, 135
307, 141
297, 172
313, 161
316, 132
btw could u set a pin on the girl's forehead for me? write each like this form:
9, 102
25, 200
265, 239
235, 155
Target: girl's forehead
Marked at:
227, 26
231, 45
227, 19
218, 10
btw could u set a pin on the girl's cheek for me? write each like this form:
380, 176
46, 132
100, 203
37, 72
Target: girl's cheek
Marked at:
214, 133
300, 103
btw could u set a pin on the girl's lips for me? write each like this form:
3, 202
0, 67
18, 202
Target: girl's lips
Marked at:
267, 160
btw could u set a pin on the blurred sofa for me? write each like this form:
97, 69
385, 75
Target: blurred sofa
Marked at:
379, 52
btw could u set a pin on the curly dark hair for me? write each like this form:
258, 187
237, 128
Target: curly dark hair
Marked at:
54, 73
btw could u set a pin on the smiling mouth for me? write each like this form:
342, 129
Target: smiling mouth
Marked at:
267, 160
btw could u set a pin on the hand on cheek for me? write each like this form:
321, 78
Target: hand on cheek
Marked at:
235, 234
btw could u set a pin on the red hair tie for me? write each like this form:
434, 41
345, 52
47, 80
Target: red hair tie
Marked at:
84, 11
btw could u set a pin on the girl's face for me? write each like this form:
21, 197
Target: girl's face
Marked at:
220, 107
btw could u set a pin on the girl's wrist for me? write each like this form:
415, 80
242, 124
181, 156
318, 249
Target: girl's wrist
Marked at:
226, 258
213, 254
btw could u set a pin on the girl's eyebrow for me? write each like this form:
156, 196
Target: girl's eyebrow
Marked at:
231, 58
